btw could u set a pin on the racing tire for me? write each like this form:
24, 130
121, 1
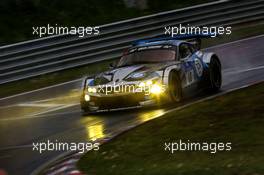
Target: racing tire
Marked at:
215, 75
175, 88
85, 111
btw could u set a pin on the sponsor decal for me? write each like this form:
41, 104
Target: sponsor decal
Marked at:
198, 66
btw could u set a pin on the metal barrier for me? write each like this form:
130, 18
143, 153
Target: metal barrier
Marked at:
56, 53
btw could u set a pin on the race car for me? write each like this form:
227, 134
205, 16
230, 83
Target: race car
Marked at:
153, 72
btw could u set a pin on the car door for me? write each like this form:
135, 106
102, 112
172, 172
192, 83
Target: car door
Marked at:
186, 57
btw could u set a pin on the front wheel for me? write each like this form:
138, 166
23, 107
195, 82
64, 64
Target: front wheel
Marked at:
215, 75
85, 108
175, 88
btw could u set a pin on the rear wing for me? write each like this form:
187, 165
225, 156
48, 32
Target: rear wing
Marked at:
195, 39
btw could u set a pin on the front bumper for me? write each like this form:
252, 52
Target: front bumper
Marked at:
97, 103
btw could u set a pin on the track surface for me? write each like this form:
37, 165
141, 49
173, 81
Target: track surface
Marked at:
53, 113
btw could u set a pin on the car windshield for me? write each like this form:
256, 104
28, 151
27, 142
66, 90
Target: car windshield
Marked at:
147, 56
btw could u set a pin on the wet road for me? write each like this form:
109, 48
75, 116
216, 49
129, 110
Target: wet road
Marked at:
54, 113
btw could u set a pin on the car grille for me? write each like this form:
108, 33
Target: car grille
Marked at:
118, 101
106, 90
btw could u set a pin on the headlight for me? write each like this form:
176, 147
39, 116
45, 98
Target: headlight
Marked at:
151, 86
91, 89
144, 84
87, 97
156, 89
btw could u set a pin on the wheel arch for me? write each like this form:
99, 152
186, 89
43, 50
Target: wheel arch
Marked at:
168, 71
175, 85
207, 57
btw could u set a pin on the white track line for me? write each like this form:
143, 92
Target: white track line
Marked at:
38, 115
39, 105
243, 70
15, 147
41, 89
32, 104
250, 69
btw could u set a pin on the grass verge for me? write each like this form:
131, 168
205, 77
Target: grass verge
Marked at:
237, 117
238, 32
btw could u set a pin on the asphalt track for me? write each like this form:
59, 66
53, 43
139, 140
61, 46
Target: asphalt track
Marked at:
54, 114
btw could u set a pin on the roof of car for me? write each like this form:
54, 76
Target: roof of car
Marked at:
165, 39
153, 43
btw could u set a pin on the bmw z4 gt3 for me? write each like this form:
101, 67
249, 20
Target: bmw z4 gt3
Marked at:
153, 72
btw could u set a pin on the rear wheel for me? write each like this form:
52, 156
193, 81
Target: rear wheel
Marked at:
215, 75
175, 88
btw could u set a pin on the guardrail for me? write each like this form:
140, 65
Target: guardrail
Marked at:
56, 53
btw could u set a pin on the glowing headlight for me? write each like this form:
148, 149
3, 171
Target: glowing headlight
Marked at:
87, 97
144, 84
156, 89
92, 90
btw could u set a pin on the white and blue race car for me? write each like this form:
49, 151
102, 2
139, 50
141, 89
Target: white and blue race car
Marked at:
153, 72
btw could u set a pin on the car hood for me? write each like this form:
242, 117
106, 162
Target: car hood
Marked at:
119, 74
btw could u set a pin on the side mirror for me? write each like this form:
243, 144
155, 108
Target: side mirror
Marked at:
113, 64
198, 44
